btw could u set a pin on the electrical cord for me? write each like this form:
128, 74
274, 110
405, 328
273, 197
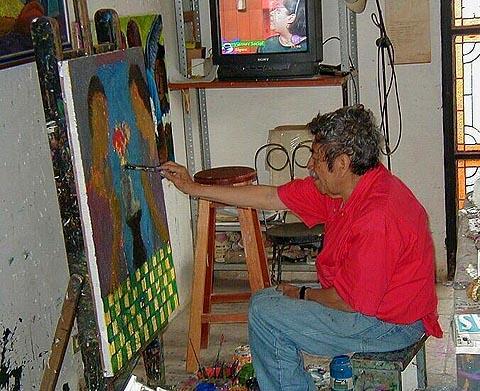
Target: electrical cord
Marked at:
330, 39
352, 66
384, 91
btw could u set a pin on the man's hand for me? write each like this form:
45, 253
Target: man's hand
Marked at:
179, 176
327, 297
289, 290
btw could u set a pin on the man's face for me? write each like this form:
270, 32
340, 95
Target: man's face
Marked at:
326, 181
280, 18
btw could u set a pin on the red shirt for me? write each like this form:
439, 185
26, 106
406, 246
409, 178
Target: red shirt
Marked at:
378, 252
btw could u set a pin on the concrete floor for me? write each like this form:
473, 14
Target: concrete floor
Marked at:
440, 352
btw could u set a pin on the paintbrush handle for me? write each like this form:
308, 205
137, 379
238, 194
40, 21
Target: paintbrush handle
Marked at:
139, 167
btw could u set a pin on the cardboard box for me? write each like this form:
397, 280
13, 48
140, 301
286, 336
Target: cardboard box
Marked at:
194, 53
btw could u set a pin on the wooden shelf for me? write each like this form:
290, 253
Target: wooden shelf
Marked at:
317, 81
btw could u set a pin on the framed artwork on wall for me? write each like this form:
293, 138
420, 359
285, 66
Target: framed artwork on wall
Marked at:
15, 18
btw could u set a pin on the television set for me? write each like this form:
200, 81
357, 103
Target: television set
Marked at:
266, 39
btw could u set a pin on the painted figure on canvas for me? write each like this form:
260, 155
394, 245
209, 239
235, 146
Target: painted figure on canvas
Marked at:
107, 230
146, 31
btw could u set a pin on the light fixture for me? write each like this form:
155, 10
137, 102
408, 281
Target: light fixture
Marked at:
356, 6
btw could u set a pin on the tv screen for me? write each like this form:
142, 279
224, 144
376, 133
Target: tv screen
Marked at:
273, 26
266, 38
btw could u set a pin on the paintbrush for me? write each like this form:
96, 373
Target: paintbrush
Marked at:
222, 338
201, 368
139, 167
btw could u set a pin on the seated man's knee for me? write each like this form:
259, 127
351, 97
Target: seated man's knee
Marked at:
261, 302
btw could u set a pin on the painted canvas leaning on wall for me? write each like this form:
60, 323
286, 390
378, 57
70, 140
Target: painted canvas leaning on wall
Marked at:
122, 211
15, 18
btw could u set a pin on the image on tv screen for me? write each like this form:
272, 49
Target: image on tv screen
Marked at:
263, 26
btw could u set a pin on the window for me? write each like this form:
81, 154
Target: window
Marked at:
461, 103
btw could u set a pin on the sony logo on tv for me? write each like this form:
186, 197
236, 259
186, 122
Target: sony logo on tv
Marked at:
468, 323
263, 59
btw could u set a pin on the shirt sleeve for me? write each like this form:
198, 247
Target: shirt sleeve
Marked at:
302, 197
369, 262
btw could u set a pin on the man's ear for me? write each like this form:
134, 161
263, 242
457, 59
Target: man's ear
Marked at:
343, 163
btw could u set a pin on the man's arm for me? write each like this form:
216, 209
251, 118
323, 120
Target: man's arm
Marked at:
252, 196
327, 297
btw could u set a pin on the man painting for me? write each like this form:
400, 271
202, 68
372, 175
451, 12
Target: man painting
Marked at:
376, 269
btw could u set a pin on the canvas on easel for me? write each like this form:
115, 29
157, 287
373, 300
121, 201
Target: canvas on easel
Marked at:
123, 215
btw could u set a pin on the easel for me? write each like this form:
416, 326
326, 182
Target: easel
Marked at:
78, 301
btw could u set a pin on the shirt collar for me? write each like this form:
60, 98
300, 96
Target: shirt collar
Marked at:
364, 183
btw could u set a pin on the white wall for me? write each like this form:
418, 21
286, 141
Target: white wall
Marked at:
239, 119
33, 266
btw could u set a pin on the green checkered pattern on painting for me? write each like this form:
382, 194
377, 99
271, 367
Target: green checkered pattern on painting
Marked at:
140, 307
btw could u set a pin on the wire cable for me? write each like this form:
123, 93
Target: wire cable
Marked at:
384, 87
352, 66
330, 39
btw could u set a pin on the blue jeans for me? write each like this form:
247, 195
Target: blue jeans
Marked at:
280, 328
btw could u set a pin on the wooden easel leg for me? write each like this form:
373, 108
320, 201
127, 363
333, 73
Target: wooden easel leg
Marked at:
154, 362
255, 255
62, 334
48, 50
198, 285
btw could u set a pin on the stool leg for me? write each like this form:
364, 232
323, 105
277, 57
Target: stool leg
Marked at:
421, 368
279, 264
366, 379
198, 285
273, 279
207, 304
255, 256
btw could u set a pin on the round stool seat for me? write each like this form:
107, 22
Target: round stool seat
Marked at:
295, 233
229, 175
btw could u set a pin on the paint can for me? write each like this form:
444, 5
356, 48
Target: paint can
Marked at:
242, 355
341, 373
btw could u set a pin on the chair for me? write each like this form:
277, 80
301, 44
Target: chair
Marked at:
280, 232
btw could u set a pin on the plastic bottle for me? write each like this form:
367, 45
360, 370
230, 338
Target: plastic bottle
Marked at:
341, 373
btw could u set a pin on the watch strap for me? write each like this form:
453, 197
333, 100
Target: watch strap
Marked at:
301, 292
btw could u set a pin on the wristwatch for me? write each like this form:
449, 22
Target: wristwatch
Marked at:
301, 292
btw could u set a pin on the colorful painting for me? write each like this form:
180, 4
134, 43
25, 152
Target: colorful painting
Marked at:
15, 19
146, 31
110, 122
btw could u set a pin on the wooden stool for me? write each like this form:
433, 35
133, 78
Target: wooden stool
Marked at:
372, 371
202, 287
